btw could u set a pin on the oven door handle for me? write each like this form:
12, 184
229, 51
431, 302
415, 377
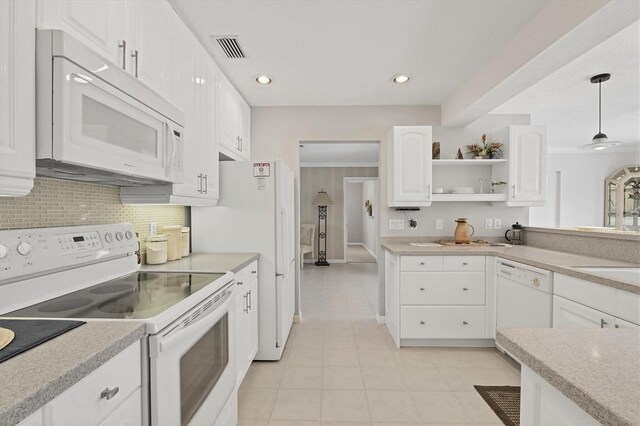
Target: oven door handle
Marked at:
193, 331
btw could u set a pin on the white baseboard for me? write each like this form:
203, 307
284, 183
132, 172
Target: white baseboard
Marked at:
369, 250
380, 319
297, 318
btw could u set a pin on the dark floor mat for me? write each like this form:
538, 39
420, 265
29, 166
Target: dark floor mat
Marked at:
504, 401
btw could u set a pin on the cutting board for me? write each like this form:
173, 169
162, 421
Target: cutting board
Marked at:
472, 243
30, 333
6, 336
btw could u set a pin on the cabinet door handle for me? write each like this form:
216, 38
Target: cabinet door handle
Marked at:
240, 147
199, 183
514, 191
239, 282
205, 186
423, 323
123, 45
429, 191
135, 54
246, 303
109, 393
465, 289
464, 323
422, 289
250, 300
617, 326
603, 323
254, 272
422, 263
465, 263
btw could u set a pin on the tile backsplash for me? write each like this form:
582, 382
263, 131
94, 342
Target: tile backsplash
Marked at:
54, 202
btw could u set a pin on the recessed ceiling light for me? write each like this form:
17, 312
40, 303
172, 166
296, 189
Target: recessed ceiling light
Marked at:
263, 79
400, 78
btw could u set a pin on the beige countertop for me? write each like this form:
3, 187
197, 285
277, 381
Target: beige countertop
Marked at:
30, 380
206, 262
564, 263
598, 369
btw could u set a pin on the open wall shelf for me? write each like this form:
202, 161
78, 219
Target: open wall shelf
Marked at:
471, 162
469, 197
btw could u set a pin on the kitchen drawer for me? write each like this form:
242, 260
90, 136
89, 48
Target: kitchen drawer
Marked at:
248, 273
442, 288
463, 263
421, 263
82, 404
442, 322
628, 306
587, 293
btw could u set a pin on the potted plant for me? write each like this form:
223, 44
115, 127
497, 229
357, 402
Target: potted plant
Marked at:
491, 149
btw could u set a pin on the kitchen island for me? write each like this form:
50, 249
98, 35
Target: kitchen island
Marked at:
577, 376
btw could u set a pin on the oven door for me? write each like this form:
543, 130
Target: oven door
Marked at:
192, 364
98, 126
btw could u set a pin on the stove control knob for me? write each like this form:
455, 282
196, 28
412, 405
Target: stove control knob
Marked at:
536, 282
108, 237
119, 236
129, 235
24, 248
4, 251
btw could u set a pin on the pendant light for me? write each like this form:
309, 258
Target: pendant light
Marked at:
600, 141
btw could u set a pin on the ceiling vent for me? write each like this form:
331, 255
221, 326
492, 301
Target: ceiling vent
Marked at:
230, 46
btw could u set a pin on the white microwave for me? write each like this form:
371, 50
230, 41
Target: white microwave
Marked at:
97, 123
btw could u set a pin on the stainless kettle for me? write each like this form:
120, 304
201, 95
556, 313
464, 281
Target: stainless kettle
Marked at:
516, 234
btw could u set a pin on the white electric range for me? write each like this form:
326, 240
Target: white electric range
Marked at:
91, 273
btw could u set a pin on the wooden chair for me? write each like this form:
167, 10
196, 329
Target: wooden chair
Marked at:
307, 241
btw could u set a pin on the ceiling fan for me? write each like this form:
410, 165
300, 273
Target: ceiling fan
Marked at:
600, 141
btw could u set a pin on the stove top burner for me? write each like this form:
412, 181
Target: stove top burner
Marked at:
140, 295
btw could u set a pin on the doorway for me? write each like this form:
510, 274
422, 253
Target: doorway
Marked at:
360, 219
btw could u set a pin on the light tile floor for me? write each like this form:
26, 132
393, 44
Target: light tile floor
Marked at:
341, 367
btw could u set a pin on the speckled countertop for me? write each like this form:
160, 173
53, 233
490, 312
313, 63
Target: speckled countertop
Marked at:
556, 261
30, 380
597, 369
207, 262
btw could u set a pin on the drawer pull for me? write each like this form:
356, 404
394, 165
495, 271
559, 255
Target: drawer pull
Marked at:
603, 323
109, 393
240, 282
423, 323
464, 323
422, 289
422, 263
465, 289
254, 272
465, 263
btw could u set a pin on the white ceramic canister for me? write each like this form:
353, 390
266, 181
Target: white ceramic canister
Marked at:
186, 232
174, 246
156, 249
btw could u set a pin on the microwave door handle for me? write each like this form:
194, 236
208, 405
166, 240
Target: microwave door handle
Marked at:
195, 328
171, 142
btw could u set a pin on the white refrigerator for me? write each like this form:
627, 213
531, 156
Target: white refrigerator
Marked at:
256, 214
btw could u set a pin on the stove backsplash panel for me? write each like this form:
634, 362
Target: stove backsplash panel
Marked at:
54, 202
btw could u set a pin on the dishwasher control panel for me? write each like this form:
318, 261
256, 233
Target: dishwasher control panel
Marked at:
525, 274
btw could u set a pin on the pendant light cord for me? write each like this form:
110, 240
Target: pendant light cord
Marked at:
600, 107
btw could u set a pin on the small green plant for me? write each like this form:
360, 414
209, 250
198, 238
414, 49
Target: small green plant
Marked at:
491, 149
493, 184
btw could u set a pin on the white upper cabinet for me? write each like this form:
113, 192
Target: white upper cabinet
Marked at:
234, 117
527, 166
151, 25
99, 24
17, 97
409, 172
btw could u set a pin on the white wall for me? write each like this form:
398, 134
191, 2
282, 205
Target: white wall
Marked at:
577, 198
354, 207
369, 231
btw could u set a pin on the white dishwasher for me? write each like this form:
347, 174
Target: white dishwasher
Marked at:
524, 296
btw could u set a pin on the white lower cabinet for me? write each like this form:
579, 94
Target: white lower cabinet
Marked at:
436, 297
109, 396
578, 304
542, 404
246, 318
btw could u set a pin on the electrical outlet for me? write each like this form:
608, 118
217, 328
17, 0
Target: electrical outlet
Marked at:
497, 223
488, 224
153, 228
396, 224
439, 224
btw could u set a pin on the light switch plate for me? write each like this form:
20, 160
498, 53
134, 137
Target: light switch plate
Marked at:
488, 224
439, 224
497, 223
153, 228
396, 224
